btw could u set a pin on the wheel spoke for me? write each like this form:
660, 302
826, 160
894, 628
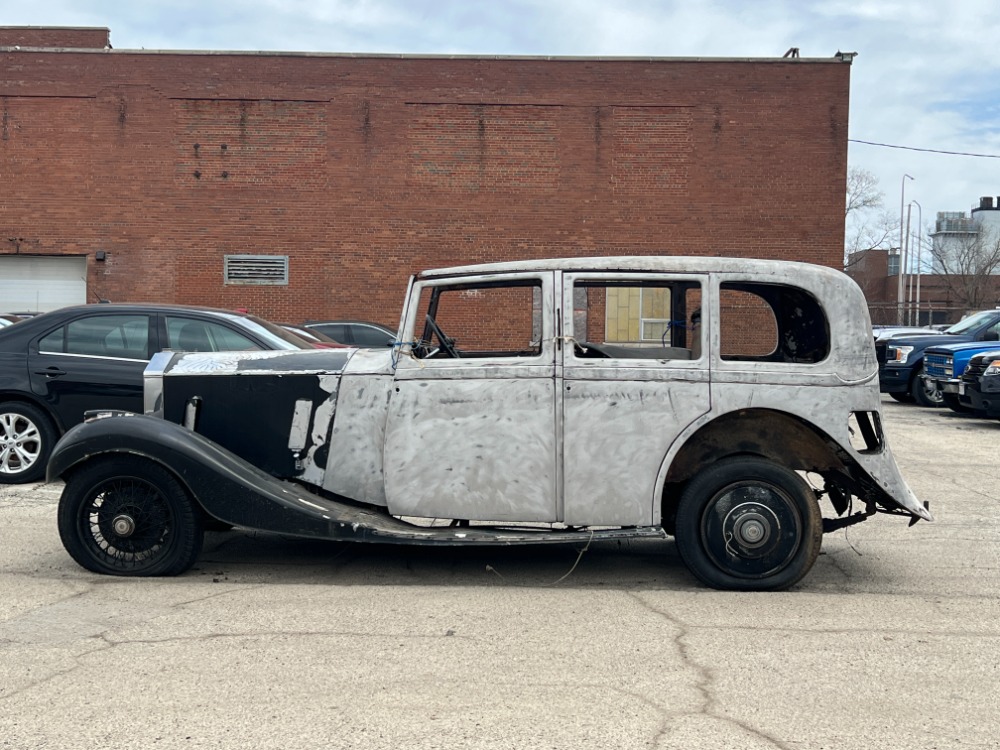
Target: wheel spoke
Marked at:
7, 425
144, 510
26, 457
20, 443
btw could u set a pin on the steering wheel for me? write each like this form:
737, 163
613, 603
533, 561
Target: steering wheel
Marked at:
447, 344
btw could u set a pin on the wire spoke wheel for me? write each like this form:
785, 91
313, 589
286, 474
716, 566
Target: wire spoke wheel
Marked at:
129, 516
129, 521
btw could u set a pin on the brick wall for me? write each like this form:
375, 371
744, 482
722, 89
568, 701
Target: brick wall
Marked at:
365, 169
64, 37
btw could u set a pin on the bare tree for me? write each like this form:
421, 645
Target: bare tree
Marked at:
868, 225
969, 267
862, 191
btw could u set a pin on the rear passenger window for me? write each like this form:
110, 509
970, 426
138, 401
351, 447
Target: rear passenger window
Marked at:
189, 335
119, 336
771, 323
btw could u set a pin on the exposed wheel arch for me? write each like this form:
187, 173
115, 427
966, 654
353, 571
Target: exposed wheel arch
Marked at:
26, 398
761, 433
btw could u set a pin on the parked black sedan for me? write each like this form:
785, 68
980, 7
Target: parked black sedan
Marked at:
56, 366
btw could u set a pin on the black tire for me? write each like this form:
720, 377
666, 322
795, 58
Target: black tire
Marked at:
903, 398
748, 524
128, 516
27, 437
952, 402
930, 397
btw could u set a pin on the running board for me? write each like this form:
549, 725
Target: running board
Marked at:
234, 491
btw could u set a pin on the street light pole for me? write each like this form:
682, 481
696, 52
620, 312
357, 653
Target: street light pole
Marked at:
904, 265
899, 281
920, 256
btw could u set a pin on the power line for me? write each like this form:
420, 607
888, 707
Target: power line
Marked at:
925, 150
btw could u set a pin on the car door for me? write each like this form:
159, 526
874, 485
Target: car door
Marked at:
94, 361
634, 374
470, 430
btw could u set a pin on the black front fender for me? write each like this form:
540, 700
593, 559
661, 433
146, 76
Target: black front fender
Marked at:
227, 487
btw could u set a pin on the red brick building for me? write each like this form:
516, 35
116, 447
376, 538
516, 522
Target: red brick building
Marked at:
158, 172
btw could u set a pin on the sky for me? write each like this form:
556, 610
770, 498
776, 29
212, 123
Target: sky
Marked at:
924, 81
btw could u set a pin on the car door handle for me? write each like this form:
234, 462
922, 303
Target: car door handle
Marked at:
51, 372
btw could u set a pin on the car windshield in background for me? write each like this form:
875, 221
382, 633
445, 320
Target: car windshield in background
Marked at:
971, 322
272, 332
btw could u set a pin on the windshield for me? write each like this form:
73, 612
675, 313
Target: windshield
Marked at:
274, 334
973, 321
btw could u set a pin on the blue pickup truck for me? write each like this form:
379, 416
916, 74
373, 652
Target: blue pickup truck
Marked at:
901, 358
944, 366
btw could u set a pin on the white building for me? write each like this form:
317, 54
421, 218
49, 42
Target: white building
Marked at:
964, 244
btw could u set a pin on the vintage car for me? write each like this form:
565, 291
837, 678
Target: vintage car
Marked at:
715, 400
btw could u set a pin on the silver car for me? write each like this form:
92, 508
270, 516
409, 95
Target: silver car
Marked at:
718, 401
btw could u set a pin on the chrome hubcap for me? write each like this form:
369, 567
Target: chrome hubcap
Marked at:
123, 525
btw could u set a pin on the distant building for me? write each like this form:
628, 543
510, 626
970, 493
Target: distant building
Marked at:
956, 236
961, 246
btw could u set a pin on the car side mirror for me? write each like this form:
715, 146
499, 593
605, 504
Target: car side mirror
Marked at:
992, 336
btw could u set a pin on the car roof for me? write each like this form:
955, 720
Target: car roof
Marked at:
15, 335
661, 263
344, 321
148, 307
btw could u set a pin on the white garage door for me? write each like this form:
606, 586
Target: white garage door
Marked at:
36, 284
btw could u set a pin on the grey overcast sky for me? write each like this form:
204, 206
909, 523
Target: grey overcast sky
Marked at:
925, 76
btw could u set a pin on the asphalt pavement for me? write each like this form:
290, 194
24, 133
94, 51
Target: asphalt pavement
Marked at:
892, 641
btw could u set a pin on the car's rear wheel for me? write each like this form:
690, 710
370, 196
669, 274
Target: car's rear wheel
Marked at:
27, 436
128, 516
748, 524
925, 392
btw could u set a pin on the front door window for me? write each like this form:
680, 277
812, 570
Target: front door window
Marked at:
472, 417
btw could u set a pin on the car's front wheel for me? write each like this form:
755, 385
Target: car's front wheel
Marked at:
27, 436
128, 516
748, 524
925, 392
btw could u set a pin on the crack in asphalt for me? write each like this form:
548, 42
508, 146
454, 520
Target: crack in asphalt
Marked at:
704, 682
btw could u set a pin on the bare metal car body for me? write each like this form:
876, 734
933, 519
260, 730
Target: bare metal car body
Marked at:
579, 399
